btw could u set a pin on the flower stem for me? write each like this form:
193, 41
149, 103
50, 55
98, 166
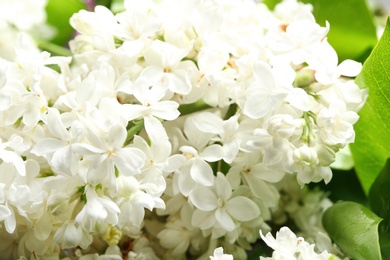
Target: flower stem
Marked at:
90, 4
194, 107
54, 49
135, 128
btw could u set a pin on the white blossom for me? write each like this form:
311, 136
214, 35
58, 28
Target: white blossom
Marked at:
219, 255
215, 205
287, 245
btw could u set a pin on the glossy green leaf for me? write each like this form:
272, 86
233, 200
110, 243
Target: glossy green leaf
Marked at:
372, 142
354, 228
58, 14
379, 199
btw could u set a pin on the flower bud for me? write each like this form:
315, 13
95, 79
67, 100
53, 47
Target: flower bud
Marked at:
282, 125
305, 157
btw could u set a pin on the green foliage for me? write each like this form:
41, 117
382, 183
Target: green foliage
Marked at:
379, 199
337, 189
354, 228
352, 38
372, 143
58, 15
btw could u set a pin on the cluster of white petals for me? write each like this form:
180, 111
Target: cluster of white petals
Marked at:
171, 131
19, 17
288, 246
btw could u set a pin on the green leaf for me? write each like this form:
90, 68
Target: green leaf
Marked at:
372, 142
58, 14
271, 3
337, 189
379, 199
354, 228
352, 31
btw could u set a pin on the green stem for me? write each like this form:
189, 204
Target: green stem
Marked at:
231, 111
194, 107
54, 49
137, 126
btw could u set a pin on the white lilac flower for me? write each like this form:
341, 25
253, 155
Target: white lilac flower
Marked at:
95, 27
89, 148
249, 170
151, 108
226, 131
59, 150
219, 255
106, 153
138, 20
71, 235
263, 95
98, 207
287, 245
132, 200
192, 166
296, 41
22, 17
166, 68
216, 206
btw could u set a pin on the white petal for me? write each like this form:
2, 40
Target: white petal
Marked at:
203, 198
230, 150
263, 74
174, 162
208, 122
129, 160
62, 159
201, 172
94, 208
155, 129
178, 82
10, 222
349, 68
224, 219
166, 110
212, 153
47, 146
19, 194
116, 136
5, 212
5, 101
43, 227
222, 186
55, 124
72, 236
202, 219
98, 174
262, 190
197, 138
87, 149
269, 240
261, 103
131, 112
185, 182
242, 208
267, 174
16, 160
